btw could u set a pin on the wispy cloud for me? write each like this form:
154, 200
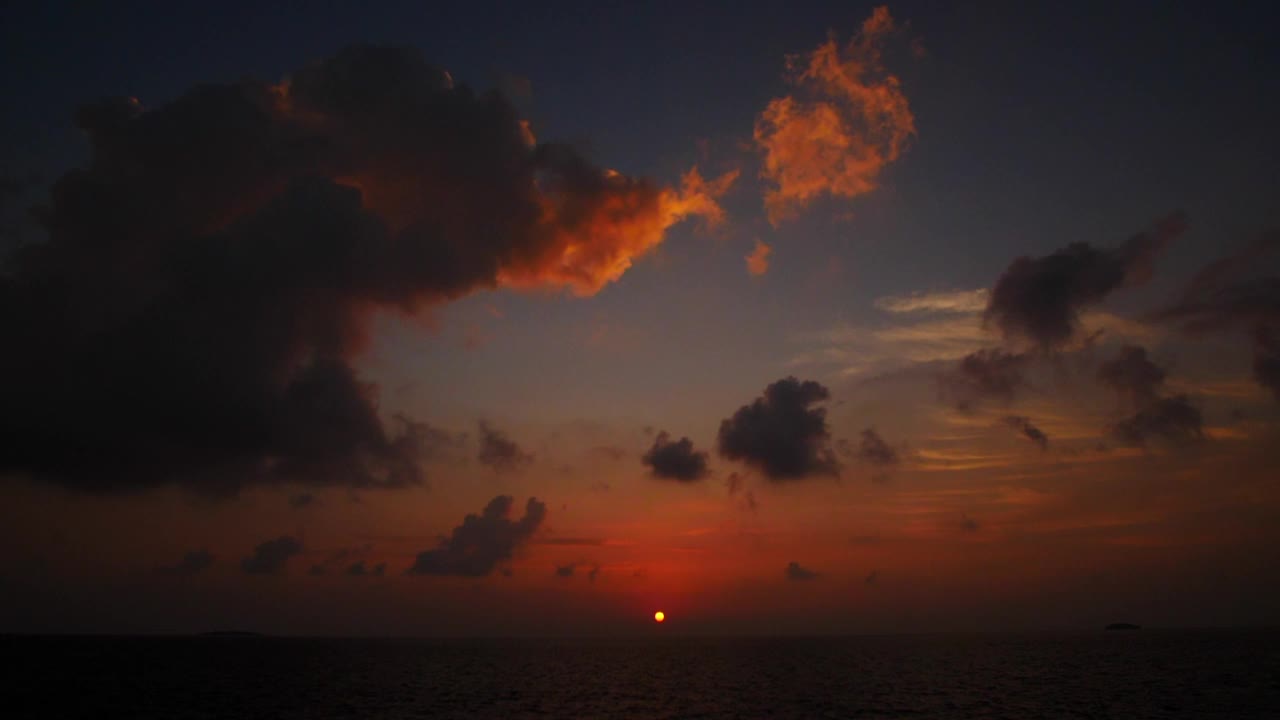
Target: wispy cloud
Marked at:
947, 301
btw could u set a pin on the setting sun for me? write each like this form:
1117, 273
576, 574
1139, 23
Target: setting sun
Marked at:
659, 616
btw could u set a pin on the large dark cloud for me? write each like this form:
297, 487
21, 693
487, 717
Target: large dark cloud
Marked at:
1039, 299
196, 309
499, 451
194, 562
986, 374
675, 460
1133, 376
482, 542
782, 433
270, 557
1028, 430
1172, 420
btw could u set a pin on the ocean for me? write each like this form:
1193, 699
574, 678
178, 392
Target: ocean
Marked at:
1125, 675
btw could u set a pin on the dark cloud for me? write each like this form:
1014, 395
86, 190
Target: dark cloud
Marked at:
968, 524
781, 433
1173, 420
360, 570
1039, 299
796, 572
196, 310
1219, 298
874, 450
566, 571
193, 562
482, 542
1133, 376
593, 573
302, 500
990, 373
1024, 425
499, 451
675, 460
270, 557
1138, 381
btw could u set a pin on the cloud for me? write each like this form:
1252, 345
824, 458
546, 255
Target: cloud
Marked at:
675, 460
848, 119
1133, 376
1024, 425
796, 572
1039, 299
758, 260
270, 557
482, 542
1173, 420
499, 451
207, 280
874, 450
192, 563
926, 333
1217, 298
359, 570
734, 483
593, 573
954, 301
1266, 358
1138, 381
987, 374
781, 433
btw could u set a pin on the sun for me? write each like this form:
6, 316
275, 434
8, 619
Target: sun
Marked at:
659, 616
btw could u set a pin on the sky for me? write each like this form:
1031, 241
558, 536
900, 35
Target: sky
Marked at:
508, 319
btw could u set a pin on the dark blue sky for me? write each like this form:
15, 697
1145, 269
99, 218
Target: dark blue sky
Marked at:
1037, 126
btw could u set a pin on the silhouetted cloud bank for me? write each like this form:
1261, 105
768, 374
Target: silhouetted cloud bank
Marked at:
206, 284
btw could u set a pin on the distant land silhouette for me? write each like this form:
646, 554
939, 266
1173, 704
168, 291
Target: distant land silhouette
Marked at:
231, 633
1123, 626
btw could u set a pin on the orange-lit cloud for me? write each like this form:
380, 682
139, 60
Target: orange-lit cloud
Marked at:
758, 260
847, 121
281, 219
591, 241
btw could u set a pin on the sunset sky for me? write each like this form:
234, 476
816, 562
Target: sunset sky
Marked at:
512, 319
